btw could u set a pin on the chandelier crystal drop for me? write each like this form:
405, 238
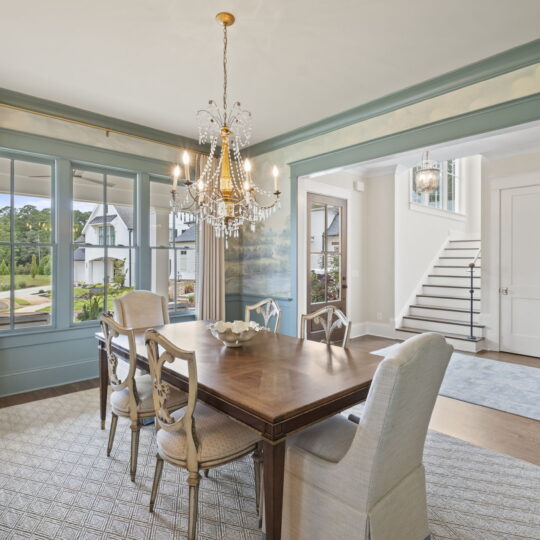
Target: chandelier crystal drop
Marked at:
223, 192
427, 176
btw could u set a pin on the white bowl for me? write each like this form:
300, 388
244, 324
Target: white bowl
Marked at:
234, 334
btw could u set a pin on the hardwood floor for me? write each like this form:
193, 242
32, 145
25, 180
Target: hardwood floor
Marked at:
488, 428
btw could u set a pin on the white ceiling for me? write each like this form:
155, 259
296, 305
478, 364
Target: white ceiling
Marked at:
291, 62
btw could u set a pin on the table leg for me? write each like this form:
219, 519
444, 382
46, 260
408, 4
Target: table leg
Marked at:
103, 383
274, 470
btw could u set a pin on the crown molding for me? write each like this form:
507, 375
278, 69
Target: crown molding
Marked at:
493, 66
53, 109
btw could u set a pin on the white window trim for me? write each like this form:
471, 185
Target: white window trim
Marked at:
425, 209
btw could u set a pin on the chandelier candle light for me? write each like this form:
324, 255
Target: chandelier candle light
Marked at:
224, 195
427, 176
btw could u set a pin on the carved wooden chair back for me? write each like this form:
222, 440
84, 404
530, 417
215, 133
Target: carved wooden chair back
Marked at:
330, 318
111, 331
267, 309
160, 391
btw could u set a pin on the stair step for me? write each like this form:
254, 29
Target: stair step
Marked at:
446, 335
457, 310
455, 241
450, 286
448, 297
458, 257
443, 321
462, 248
455, 266
453, 276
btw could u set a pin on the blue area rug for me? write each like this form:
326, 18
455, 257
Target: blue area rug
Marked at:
491, 383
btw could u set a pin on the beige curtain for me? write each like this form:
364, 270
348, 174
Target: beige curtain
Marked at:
211, 292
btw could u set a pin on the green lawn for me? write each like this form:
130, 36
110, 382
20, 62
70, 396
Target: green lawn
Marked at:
29, 281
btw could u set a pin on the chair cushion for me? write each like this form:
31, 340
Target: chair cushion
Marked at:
329, 440
120, 399
220, 438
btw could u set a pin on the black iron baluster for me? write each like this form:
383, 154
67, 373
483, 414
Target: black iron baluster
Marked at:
471, 291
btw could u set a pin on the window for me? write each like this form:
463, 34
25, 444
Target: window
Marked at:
173, 240
104, 240
26, 243
107, 232
446, 197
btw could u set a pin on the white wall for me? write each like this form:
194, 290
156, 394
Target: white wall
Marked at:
378, 259
421, 233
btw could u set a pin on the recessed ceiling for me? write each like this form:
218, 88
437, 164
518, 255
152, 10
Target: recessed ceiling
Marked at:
291, 62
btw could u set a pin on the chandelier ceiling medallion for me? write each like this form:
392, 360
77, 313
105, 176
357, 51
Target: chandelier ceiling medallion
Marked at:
224, 195
428, 175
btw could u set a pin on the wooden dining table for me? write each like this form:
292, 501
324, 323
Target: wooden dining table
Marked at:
275, 384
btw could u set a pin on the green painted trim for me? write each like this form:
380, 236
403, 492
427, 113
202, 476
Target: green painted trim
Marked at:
53, 108
17, 141
488, 119
493, 66
144, 254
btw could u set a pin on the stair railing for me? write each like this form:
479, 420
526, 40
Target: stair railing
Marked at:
472, 266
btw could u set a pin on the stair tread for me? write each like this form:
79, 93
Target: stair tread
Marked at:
442, 308
444, 321
462, 248
447, 297
454, 241
448, 286
458, 257
454, 266
451, 276
446, 334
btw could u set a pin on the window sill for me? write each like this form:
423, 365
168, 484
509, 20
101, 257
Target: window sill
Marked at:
438, 212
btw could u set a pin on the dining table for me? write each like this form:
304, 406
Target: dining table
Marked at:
275, 384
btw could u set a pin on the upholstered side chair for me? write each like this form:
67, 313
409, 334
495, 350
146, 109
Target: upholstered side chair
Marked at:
131, 396
195, 437
141, 310
267, 309
367, 481
330, 318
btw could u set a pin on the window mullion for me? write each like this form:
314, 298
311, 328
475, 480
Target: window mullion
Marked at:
12, 239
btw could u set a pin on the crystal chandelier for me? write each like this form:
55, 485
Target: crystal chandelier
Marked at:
223, 193
427, 176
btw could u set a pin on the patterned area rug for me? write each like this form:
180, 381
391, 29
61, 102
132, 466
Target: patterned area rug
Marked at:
56, 482
499, 385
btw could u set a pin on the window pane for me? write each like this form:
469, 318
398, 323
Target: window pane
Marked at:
333, 277
180, 290
317, 279
119, 229
88, 282
120, 273
174, 269
33, 286
5, 280
317, 220
5, 199
32, 203
333, 230
88, 207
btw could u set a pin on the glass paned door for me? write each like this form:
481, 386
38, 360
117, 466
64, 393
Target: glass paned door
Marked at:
327, 257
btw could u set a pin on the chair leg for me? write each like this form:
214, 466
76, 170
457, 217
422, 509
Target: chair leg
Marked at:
114, 422
157, 478
256, 456
135, 430
193, 482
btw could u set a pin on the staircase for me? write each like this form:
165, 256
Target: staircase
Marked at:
444, 305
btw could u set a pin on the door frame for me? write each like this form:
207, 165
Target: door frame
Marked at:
307, 185
491, 246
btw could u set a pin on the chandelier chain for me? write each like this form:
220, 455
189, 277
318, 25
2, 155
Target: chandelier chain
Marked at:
225, 72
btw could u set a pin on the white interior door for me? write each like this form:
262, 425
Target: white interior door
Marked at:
520, 270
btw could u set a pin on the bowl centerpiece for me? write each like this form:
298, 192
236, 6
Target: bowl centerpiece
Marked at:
235, 334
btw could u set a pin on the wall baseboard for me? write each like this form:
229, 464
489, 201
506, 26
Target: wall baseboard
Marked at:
380, 329
36, 379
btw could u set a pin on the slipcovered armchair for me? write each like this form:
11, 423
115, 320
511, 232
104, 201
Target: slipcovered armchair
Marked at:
367, 481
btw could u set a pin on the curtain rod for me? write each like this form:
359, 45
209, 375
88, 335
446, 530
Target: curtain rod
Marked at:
101, 128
